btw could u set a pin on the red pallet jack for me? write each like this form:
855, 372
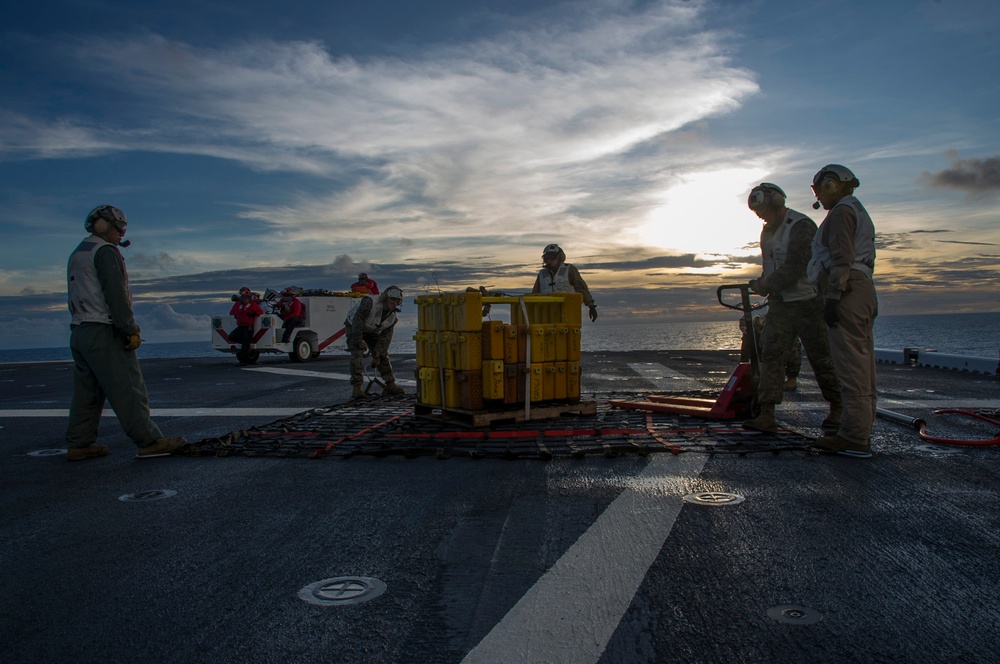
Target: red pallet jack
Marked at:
738, 398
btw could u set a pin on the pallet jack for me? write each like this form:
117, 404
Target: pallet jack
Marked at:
739, 397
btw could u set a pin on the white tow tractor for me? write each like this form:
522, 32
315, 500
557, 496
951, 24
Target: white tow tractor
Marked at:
322, 329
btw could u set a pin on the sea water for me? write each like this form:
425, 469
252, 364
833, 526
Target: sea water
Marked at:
976, 335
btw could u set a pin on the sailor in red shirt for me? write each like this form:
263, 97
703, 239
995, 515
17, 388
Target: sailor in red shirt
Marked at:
245, 310
291, 311
365, 285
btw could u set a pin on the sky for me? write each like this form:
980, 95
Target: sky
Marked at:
441, 145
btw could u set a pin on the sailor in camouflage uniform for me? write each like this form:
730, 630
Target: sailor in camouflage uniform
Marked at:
794, 308
369, 327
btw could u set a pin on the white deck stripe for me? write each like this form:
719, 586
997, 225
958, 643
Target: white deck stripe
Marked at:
168, 412
304, 373
665, 378
570, 614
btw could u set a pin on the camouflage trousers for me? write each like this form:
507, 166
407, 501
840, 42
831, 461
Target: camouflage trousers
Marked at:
378, 346
785, 322
793, 366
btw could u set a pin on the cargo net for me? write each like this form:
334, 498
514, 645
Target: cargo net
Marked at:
390, 426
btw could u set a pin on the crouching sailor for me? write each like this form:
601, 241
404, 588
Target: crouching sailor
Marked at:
369, 327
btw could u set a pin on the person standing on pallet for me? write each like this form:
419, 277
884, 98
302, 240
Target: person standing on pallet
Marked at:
558, 276
103, 340
369, 327
842, 265
794, 307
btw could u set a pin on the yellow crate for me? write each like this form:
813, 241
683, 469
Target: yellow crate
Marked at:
561, 334
572, 380
571, 309
537, 377
444, 345
537, 333
467, 312
573, 347
430, 387
514, 344
452, 392
465, 350
492, 332
561, 390
548, 381
493, 374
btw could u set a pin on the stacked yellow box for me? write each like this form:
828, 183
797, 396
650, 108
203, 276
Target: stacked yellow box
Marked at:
466, 362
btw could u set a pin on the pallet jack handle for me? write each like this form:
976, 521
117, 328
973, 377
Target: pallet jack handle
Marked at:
747, 307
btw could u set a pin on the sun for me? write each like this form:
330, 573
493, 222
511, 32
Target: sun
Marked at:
705, 214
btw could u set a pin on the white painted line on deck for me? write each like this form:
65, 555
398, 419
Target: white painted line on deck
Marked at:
572, 611
169, 412
304, 373
665, 378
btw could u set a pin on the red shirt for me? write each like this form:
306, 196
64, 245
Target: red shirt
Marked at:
290, 309
245, 312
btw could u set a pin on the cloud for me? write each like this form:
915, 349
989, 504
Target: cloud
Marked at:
563, 123
974, 176
163, 317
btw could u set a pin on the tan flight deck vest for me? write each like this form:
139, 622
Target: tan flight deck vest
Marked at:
86, 298
864, 244
374, 323
774, 249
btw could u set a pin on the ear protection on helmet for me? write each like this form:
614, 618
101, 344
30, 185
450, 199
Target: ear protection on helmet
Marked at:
100, 219
766, 194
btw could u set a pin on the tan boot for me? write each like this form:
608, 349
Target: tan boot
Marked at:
832, 421
160, 448
791, 384
763, 422
357, 392
392, 388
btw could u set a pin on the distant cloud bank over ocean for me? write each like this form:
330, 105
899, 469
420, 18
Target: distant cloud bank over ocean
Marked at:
959, 334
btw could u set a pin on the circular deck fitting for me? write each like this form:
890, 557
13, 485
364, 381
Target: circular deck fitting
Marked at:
794, 615
341, 590
714, 498
46, 453
146, 496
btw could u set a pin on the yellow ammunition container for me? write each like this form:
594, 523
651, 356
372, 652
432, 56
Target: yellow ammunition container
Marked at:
548, 381
573, 381
492, 332
493, 375
573, 347
537, 378
514, 376
514, 344
561, 390
445, 344
467, 350
537, 333
561, 334
452, 393
467, 312
430, 387
571, 307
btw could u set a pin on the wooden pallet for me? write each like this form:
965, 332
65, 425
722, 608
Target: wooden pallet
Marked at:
484, 418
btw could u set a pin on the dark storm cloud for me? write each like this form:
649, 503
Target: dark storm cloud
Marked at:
974, 176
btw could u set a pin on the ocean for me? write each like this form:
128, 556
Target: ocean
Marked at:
976, 335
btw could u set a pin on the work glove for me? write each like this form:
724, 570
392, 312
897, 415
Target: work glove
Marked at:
593, 313
830, 314
364, 347
759, 286
134, 341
